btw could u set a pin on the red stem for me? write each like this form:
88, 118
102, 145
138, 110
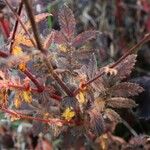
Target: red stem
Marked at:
128, 52
15, 27
5, 27
3, 54
22, 116
24, 88
34, 80
21, 23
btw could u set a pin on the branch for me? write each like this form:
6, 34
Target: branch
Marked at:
22, 116
34, 80
24, 88
43, 51
145, 39
21, 23
4, 54
15, 27
4, 26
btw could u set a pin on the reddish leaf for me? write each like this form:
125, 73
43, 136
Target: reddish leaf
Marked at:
67, 22
49, 40
112, 115
125, 67
59, 38
120, 102
126, 89
96, 122
84, 37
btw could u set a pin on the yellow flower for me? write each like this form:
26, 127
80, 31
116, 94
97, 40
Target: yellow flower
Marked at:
63, 48
17, 50
81, 98
68, 114
27, 96
22, 39
17, 103
22, 67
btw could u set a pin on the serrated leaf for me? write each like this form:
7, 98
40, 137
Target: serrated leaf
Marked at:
125, 67
126, 89
120, 102
96, 122
49, 40
92, 67
39, 127
59, 38
83, 37
112, 115
67, 22
69, 102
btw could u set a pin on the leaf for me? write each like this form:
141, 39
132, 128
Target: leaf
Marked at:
125, 67
112, 115
39, 127
68, 114
96, 122
83, 37
49, 40
99, 104
120, 102
92, 67
67, 22
59, 38
69, 102
126, 89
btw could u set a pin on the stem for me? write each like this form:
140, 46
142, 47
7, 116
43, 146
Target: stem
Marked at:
24, 88
43, 51
34, 27
4, 54
129, 128
21, 23
128, 52
15, 27
34, 80
22, 116
4, 27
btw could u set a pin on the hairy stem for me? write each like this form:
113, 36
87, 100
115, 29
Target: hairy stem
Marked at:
24, 88
44, 52
4, 27
21, 23
15, 27
4, 54
34, 80
145, 39
22, 116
